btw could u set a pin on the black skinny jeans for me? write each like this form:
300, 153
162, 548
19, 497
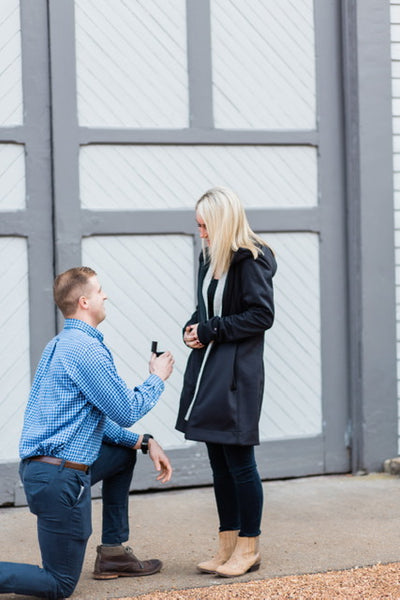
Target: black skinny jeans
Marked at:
238, 489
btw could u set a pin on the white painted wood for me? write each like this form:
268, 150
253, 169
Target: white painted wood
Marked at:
395, 51
11, 112
149, 281
159, 177
292, 399
14, 347
131, 63
12, 177
263, 59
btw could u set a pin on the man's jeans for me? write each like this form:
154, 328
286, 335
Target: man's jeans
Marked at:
60, 498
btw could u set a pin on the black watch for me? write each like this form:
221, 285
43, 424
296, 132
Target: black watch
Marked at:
145, 442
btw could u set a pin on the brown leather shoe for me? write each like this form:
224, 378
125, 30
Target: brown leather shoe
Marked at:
119, 561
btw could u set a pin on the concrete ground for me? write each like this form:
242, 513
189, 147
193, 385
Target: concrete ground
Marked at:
309, 525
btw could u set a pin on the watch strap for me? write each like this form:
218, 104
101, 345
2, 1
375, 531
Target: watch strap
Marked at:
145, 442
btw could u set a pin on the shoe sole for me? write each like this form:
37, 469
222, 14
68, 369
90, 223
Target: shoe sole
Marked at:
210, 571
111, 575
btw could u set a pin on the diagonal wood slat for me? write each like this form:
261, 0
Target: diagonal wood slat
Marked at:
149, 282
159, 177
263, 60
131, 63
11, 112
292, 401
14, 350
12, 177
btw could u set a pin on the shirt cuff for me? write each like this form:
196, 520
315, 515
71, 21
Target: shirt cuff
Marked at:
155, 382
129, 438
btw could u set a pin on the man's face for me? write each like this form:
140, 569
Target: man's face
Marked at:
95, 298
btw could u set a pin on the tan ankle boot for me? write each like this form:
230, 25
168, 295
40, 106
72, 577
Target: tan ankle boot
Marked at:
227, 543
246, 557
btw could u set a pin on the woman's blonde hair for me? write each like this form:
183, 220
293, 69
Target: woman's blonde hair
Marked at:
227, 227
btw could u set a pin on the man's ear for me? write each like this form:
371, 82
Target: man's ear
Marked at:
83, 303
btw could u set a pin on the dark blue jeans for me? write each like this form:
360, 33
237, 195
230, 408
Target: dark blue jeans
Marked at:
61, 500
238, 489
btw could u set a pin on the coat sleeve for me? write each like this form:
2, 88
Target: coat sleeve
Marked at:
256, 300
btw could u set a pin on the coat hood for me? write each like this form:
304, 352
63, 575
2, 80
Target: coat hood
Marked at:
266, 257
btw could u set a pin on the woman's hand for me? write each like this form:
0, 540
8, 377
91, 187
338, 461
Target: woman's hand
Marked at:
190, 337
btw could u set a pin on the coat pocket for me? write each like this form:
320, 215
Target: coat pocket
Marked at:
233, 386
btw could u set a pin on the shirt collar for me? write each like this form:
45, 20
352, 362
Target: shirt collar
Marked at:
78, 324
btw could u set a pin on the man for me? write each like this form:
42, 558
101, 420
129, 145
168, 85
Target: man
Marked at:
73, 436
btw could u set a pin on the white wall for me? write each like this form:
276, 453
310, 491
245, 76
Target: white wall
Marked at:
11, 109
14, 309
263, 62
395, 46
149, 281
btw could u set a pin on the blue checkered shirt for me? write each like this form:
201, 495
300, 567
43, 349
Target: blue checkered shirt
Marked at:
78, 400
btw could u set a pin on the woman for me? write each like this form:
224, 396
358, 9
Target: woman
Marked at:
223, 384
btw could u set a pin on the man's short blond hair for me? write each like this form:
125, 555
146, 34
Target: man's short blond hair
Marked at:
69, 287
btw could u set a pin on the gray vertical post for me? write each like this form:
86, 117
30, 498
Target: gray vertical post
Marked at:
67, 221
370, 231
37, 136
353, 226
201, 115
199, 64
332, 237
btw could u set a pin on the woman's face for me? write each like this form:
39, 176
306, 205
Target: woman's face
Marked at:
202, 228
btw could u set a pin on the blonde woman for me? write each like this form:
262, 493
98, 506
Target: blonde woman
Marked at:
223, 384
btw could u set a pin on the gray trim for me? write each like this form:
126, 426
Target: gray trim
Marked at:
332, 238
285, 220
372, 290
65, 145
275, 460
38, 214
182, 221
197, 136
353, 193
291, 458
137, 222
14, 223
12, 135
199, 63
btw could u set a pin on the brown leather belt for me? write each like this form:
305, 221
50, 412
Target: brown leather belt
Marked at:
52, 460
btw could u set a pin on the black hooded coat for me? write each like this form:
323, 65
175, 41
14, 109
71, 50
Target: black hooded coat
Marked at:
226, 408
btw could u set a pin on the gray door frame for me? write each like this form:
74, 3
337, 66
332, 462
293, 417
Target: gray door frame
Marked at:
355, 190
35, 222
370, 232
357, 353
324, 453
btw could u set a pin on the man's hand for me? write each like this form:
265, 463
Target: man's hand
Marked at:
160, 460
162, 365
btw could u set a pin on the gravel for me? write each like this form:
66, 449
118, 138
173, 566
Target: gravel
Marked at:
377, 582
